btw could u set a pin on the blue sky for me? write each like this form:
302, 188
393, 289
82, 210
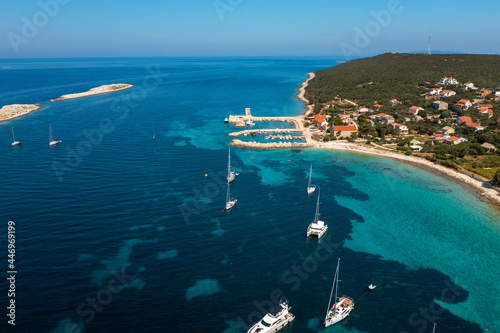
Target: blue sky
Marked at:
126, 28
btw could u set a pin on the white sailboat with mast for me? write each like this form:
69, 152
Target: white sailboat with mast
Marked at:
230, 174
317, 228
342, 306
52, 142
14, 141
230, 202
310, 187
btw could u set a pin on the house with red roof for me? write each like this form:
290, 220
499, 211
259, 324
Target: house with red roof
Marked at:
484, 112
364, 109
463, 120
344, 131
415, 110
484, 106
402, 129
446, 93
483, 93
435, 91
448, 80
394, 102
320, 121
468, 86
464, 103
456, 140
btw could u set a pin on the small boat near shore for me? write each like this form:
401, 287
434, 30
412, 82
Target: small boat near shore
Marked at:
278, 317
226, 120
371, 287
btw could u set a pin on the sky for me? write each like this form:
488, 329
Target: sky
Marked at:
170, 28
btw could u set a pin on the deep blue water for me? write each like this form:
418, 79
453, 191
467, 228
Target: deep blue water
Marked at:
114, 217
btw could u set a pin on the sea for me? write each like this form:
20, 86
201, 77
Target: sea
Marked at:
121, 227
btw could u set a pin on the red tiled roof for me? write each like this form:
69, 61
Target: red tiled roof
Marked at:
439, 135
345, 128
319, 118
453, 138
465, 119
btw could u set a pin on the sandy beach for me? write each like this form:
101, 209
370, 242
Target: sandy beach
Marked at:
477, 184
95, 91
17, 110
302, 93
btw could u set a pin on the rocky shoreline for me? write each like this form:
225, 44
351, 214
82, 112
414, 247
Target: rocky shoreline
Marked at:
95, 91
17, 110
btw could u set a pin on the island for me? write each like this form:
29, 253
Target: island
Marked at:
438, 111
16, 110
95, 91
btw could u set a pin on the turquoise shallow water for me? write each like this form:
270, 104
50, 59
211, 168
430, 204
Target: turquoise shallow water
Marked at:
136, 218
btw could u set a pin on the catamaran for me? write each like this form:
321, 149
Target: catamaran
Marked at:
230, 174
230, 202
14, 141
317, 228
275, 320
51, 141
310, 187
342, 306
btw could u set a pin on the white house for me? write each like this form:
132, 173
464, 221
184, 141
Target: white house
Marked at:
465, 103
456, 140
363, 109
435, 91
448, 80
402, 129
415, 110
487, 112
394, 102
468, 86
446, 93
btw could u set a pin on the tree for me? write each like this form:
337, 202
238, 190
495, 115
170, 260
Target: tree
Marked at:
496, 177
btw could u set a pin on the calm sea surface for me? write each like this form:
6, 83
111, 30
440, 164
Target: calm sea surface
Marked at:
117, 232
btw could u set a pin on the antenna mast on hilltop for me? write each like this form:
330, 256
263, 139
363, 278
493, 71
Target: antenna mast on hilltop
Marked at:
429, 46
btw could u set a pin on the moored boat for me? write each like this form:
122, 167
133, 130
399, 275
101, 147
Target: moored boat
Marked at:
317, 228
342, 306
277, 318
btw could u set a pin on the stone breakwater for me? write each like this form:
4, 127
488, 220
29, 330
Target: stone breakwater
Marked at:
271, 145
95, 91
16, 110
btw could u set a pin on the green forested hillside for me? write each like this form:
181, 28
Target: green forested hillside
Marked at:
388, 76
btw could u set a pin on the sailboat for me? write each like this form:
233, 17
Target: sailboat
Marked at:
230, 202
317, 228
342, 306
14, 141
52, 142
310, 187
230, 174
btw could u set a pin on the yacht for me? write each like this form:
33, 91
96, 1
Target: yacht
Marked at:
317, 228
250, 123
230, 202
275, 320
342, 306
